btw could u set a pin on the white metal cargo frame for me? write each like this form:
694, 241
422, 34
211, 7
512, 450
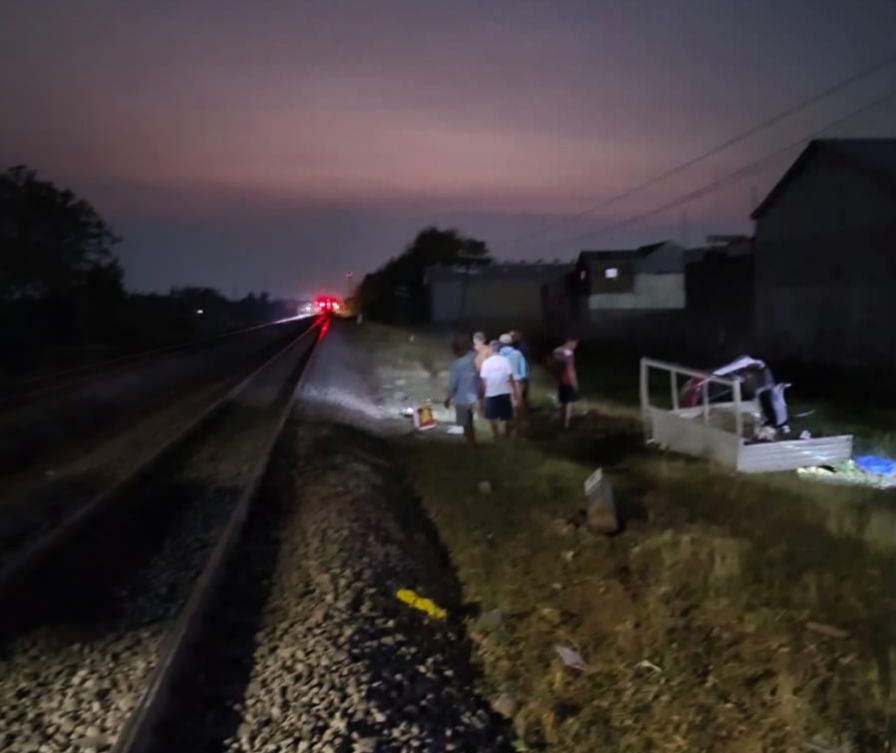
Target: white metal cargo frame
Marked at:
696, 430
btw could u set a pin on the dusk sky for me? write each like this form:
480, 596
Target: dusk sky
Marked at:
278, 145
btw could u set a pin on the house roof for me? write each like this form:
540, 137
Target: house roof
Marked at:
608, 255
651, 247
661, 258
737, 246
654, 258
877, 157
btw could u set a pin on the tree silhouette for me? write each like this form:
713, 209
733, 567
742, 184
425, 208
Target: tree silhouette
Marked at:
399, 286
51, 241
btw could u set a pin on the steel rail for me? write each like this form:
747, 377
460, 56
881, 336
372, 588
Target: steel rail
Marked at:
139, 731
32, 556
34, 387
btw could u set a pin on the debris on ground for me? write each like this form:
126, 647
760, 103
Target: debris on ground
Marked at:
646, 664
571, 658
424, 418
491, 620
505, 705
560, 526
877, 465
427, 606
849, 472
829, 630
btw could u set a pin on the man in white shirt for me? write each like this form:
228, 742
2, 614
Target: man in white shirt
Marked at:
496, 373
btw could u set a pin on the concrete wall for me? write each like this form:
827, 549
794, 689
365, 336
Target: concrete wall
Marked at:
490, 303
661, 291
825, 255
514, 299
596, 279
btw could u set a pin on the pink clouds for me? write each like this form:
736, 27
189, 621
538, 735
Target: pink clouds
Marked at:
174, 115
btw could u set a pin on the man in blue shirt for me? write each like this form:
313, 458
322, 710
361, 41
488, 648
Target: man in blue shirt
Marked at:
520, 371
519, 342
463, 386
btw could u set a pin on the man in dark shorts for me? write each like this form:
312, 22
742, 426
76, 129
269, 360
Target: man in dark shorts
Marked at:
567, 378
496, 374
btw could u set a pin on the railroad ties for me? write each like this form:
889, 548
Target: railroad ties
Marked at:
99, 612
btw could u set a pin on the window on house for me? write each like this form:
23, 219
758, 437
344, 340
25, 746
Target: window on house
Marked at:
582, 275
611, 273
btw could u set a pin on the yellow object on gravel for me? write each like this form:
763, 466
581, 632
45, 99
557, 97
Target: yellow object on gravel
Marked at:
423, 604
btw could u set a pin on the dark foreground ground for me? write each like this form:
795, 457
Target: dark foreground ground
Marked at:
732, 613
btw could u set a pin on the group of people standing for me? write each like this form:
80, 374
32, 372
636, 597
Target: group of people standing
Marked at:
492, 378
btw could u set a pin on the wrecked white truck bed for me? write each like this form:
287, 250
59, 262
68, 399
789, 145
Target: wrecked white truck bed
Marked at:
724, 431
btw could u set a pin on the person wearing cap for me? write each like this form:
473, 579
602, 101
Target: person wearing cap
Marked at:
520, 370
496, 374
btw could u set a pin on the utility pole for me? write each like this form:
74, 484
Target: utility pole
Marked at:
684, 228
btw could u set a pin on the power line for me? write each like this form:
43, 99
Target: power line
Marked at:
736, 175
817, 97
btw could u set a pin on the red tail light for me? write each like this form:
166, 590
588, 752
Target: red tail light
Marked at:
326, 304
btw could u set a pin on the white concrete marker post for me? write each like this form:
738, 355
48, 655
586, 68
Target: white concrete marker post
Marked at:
600, 506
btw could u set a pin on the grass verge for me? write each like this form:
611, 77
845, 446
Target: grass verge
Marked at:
732, 613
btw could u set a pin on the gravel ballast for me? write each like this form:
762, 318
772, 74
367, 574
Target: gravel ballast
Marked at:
81, 644
310, 649
73, 444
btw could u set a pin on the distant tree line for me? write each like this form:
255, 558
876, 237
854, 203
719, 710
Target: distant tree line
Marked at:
397, 290
62, 297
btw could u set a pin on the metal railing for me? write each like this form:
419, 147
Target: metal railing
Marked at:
706, 378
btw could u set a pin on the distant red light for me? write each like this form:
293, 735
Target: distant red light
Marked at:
326, 304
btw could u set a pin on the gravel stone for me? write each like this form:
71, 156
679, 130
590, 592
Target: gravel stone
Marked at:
91, 657
363, 672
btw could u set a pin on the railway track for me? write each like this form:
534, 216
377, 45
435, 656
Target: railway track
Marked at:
307, 649
66, 456
37, 427
39, 387
99, 615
